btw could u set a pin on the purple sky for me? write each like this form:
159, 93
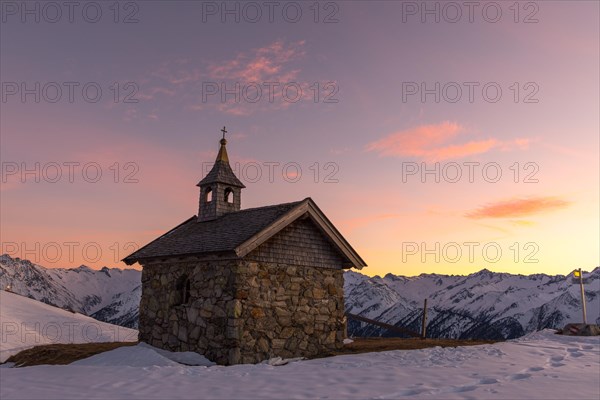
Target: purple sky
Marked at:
357, 143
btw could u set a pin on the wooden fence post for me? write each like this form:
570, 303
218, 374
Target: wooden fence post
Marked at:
582, 297
424, 327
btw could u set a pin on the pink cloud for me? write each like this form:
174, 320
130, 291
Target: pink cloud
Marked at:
262, 64
516, 208
434, 143
152, 92
178, 72
243, 77
462, 150
270, 63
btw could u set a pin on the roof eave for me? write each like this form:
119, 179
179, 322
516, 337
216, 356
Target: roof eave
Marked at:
131, 259
216, 255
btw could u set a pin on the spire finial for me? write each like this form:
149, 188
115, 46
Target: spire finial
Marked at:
224, 132
222, 156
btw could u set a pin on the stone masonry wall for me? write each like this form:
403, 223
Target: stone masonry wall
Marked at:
243, 311
288, 311
201, 324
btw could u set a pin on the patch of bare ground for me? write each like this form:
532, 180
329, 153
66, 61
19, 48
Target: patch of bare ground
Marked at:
62, 354
366, 345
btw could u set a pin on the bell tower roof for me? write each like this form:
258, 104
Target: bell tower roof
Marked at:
221, 171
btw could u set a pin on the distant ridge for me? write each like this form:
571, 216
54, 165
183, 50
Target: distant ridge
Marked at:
109, 294
482, 305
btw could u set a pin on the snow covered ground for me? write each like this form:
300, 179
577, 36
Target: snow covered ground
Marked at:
25, 323
539, 366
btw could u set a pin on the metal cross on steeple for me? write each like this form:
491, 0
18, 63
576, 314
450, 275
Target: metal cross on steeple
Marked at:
224, 132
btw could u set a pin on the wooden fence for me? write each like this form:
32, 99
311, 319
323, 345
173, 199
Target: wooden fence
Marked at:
394, 328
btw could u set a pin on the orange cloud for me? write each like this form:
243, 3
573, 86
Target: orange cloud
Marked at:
518, 208
522, 222
462, 150
433, 143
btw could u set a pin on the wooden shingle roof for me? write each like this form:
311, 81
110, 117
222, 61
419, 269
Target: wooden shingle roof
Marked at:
221, 172
217, 235
240, 232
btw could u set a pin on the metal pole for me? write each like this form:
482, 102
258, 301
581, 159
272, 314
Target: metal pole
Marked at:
424, 327
582, 296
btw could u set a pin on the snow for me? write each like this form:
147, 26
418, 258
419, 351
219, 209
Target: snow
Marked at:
459, 304
104, 284
144, 355
127, 357
81, 289
538, 366
182, 357
27, 323
278, 361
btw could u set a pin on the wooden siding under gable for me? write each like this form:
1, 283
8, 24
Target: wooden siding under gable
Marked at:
301, 243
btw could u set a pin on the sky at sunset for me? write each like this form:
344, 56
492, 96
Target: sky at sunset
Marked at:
437, 138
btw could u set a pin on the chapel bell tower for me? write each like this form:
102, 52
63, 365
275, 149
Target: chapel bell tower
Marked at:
220, 190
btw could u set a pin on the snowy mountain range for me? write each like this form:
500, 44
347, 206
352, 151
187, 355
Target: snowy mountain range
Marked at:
481, 305
109, 294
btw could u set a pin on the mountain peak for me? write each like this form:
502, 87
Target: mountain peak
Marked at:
484, 304
485, 273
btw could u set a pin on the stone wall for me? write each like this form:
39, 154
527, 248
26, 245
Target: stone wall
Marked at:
287, 311
199, 325
242, 311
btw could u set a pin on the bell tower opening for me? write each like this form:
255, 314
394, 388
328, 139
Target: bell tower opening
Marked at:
229, 195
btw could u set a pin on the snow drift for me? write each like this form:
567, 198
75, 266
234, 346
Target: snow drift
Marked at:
26, 323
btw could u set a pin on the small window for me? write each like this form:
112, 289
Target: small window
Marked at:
208, 195
183, 287
228, 195
186, 292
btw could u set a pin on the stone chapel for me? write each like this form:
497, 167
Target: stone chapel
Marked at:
245, 285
